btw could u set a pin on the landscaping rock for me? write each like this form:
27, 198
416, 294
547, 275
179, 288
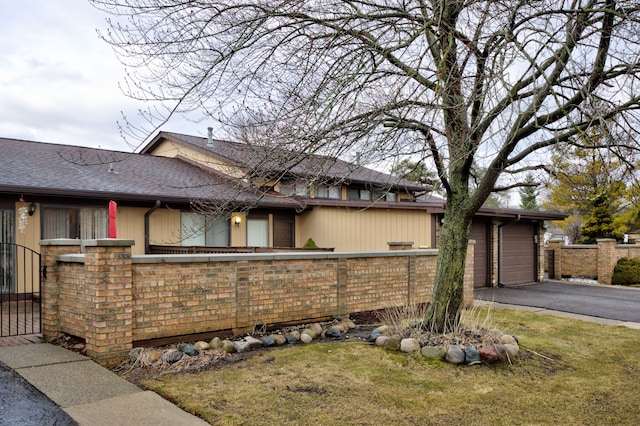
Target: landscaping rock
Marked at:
215, 343
188, 349
511, 350
296, 334
433, 352
507, 339
306, 338
382, 341
311, 333
151, 357
350, 324
496, 334
242, 346
268, 341
392, 343
377, 333
172, 356
253, 342
291, 339
333, 332
493, 353
229, 347
409, 346
471, 356
455, 355
279, 339
202, 346
317, 328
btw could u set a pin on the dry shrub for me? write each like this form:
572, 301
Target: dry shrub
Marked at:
472, 328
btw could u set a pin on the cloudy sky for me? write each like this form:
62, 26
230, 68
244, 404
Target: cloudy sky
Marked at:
59, 81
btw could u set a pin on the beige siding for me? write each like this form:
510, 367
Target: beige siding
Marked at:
168, 148
165, 227
27, 267
130, 226
363, 230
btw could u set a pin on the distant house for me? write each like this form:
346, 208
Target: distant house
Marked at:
257, 200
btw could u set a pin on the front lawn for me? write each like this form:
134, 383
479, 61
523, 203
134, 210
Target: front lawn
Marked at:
570, 372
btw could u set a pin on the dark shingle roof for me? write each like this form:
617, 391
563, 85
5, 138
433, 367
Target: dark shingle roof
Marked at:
275, 161
72, 171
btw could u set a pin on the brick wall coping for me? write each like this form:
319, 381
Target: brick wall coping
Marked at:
60, 242
238, 257
580, 246
203, 258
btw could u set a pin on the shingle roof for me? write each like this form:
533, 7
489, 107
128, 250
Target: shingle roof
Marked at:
63, 170
276, 161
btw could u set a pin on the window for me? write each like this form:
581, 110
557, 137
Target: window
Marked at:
86, 223
198, 230
293, 188
391, 196
257, 232
359, 194
328, 191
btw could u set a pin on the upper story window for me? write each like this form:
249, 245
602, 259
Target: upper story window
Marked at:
294, 188
359, 194
329, 191
391, 196
86, 223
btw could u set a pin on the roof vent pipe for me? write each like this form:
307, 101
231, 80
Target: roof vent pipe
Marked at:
210, 137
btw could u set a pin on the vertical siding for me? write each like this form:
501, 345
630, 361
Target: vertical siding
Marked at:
164, 227
363, 230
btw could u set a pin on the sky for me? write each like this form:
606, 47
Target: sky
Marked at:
59, 81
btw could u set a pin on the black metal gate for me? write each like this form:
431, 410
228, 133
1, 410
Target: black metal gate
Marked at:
19, 290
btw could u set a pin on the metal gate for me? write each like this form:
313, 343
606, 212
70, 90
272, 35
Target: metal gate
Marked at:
19, 290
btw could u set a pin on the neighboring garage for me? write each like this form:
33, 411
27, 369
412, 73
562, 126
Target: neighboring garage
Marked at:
508, 246
480, 233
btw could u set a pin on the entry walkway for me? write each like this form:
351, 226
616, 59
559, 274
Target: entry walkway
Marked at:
89, 393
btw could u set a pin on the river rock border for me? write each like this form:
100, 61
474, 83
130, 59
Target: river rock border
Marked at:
504, 348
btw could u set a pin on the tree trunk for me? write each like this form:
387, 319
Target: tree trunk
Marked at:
446, 299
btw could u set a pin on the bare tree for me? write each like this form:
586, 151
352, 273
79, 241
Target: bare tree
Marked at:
494, 83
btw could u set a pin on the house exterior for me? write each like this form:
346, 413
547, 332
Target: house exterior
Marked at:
188, 191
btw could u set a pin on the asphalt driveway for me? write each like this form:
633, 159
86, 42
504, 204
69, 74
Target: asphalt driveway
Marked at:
610, 302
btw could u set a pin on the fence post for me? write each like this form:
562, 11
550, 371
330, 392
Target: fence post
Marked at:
606, 259
109, 300
50, 284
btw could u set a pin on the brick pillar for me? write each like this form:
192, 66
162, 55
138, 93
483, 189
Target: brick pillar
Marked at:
109, 300
555, 246
606, 259
467, 292
50, 284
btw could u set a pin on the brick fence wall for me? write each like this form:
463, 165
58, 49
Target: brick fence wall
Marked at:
97, 290
593, 261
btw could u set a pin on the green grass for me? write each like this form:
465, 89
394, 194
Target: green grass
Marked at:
571, 373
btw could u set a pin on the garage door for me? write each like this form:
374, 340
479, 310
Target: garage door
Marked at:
518, 254
479, 234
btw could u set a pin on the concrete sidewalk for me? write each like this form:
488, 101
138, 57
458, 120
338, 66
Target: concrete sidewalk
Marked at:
89, 393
